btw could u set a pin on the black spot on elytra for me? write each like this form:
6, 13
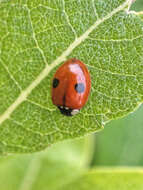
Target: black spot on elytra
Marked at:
55, 82
79, 87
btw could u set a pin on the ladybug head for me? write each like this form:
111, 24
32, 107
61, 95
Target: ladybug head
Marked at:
68, 111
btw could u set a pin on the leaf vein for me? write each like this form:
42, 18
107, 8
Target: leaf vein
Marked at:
112, 73
116, 40
112, 97
39, 105
31, 131
35, 39
95, 9
11, 76
68, 20
25, 93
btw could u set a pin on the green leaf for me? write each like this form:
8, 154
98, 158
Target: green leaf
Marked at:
109, 178
51, 169
36, 37
120, 143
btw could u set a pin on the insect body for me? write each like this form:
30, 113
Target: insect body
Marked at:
71, 87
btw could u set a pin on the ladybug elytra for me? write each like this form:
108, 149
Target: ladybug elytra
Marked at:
71, 87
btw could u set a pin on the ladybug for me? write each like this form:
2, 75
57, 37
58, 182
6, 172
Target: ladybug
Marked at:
71, 87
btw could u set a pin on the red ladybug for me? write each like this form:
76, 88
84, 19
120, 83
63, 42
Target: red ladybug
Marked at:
71, 87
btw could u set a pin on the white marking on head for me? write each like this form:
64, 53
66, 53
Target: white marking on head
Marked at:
66, 108
74, 112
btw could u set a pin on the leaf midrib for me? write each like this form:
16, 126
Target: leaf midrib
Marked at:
25, 93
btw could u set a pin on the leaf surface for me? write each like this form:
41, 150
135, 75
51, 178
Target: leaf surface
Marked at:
36, 37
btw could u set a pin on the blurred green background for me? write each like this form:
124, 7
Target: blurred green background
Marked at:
138, 5
121, 141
